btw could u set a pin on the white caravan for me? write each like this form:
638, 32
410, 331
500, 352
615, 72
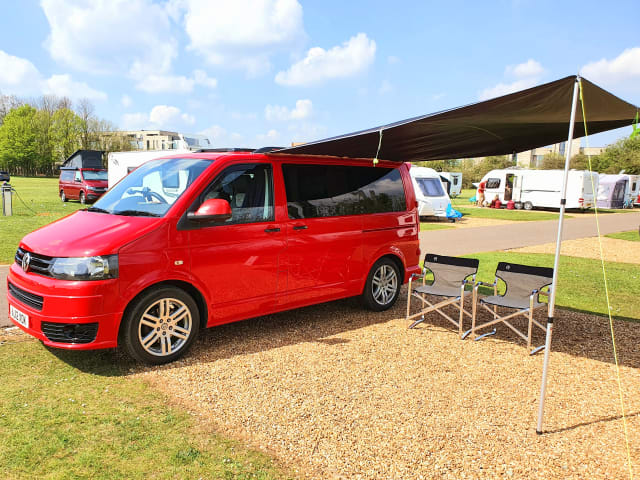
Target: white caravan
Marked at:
540, 188
632, 194
452, 182
430, 193
121, 164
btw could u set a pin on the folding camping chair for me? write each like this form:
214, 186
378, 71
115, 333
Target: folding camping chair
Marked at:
449, 280
524, 286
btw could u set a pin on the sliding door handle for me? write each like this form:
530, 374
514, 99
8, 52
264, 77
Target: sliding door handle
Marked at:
300, 227
272, 230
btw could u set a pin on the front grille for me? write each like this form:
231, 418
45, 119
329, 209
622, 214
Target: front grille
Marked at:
70, 332
34, 301
39, 263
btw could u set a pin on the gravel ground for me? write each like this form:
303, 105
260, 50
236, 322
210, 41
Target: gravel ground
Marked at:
337, 392
615, 250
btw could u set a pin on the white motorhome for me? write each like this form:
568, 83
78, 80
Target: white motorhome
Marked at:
632, 194
452, 182
430, 193
540, 188
120, 164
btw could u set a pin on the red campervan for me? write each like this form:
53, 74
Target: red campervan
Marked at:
204, 239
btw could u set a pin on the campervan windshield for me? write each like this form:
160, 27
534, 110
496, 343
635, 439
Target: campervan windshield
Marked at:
151, 189
430, 187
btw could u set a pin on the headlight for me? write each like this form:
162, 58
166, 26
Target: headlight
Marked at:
85, 268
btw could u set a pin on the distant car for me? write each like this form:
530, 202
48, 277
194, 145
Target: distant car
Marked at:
83, 184
4, 176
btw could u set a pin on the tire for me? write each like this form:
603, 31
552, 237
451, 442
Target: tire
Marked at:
518, 205
528, 206
156, 341
63, 197
82, 198
379, 297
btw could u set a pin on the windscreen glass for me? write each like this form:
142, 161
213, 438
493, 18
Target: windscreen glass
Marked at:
95, 175
430, 187
151, 189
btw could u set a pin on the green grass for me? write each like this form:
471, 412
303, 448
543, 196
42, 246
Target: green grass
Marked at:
504, 214
35, 205
424, 226
580, 284
631, 236
73, 415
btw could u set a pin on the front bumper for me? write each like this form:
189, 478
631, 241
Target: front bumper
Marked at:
65, 314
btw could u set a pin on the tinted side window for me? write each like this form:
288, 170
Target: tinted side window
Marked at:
67, 175
249, 191
493, 183
335, 190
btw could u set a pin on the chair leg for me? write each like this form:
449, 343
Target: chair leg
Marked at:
409, 298
530, 322
474, 310
461, 313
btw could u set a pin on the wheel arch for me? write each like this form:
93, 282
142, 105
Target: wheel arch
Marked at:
395, 257
185, 286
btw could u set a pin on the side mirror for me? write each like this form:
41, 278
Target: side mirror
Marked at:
212, 210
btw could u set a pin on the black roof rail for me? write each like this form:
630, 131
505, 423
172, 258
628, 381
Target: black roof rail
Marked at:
223, 150
267, 149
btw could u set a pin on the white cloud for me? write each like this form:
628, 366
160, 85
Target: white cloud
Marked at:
220, 137
110, 36
174, 83
18, 76
64, 86
303, 109
243, 33
527, 75
349, 59
625, 68
385, 87
126, 101
160, 116
530, 68
244, 115
271, 136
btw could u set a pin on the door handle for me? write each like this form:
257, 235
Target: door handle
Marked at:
300, 227
272, 230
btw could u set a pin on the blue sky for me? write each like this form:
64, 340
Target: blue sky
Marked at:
272, 72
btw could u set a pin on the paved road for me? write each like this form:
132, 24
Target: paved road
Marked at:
462, 241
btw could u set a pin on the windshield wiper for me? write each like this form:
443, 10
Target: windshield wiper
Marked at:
137, 213
97, 209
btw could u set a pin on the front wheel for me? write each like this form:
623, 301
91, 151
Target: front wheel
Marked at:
161, 326
63, 197
383, 286
83, 199
528, 206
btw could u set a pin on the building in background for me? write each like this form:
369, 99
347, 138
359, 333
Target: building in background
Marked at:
164, 140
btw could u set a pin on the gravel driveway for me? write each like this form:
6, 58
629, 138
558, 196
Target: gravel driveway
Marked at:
337, 392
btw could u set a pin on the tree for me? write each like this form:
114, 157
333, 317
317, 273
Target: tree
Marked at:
622, 155
553, 161
19, 141
66, 132
8, 103
87, 124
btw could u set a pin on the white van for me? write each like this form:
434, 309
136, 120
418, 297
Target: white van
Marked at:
452, 182
430, 193
540, 188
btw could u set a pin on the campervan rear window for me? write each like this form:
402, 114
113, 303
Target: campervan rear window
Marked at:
493, 183
335, 190
430, 187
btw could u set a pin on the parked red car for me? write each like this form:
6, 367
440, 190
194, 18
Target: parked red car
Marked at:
83, 184
204, 239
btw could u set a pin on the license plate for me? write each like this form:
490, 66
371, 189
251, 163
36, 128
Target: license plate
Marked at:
20, 317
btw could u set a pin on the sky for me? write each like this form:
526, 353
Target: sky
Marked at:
252, 73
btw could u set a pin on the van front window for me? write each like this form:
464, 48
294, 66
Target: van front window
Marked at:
430, 187
151, 189
95, 175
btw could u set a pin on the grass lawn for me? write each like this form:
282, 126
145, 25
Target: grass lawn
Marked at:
73, 415
504, 214
580, 284
424, 226
632, 236
41, 206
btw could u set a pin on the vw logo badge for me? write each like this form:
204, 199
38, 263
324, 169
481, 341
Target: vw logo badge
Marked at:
26, 261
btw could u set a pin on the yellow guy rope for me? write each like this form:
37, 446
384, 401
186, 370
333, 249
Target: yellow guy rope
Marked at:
606, 291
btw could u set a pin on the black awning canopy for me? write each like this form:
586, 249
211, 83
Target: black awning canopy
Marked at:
520, 121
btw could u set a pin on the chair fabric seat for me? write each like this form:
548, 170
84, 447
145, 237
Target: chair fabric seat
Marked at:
510, 302
440, 291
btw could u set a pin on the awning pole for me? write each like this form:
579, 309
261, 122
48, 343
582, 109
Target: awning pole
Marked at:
554, 283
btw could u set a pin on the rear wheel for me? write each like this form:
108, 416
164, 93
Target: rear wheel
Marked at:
528, 206
83, 199
161, 326
63, 197
383, 286
518, 205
